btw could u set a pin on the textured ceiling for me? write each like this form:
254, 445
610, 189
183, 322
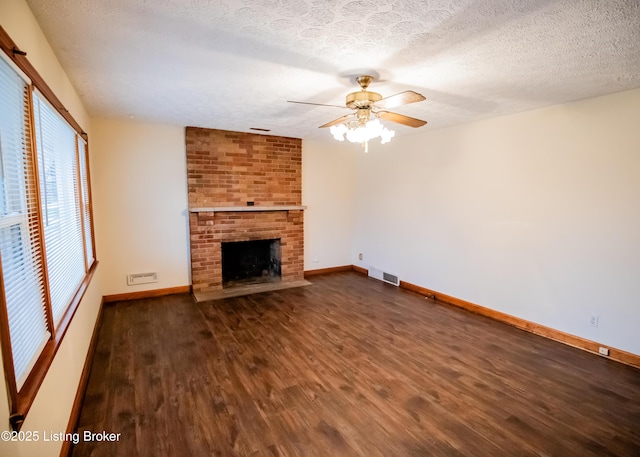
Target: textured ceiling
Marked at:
233, 64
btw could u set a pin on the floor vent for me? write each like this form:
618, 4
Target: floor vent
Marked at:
384, 276
141, 278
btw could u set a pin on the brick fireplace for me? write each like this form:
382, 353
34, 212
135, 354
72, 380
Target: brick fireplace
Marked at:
242, 187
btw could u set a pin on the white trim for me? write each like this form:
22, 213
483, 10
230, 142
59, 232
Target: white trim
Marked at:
12, 219
16, 68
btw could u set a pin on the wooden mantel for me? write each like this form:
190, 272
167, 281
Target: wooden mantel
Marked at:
228, 209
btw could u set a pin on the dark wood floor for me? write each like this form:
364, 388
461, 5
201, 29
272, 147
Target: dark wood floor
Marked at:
346, 367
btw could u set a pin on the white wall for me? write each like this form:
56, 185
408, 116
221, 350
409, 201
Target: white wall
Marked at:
140, 203
328, 171
52, 405
535, 215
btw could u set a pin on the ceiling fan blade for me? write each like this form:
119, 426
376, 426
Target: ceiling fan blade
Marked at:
403, 98
336, 121
401, 119
315, 104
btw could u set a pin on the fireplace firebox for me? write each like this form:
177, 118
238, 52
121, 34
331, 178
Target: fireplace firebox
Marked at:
251, 262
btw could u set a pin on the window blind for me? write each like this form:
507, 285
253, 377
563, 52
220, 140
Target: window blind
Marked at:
60, 202
20, 248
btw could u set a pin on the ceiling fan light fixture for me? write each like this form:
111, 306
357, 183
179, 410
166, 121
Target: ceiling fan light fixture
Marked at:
362, 133
359, 127
338, 131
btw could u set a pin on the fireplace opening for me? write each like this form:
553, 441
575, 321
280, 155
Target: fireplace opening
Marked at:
251, 262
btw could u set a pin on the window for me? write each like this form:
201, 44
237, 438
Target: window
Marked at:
20, 249
60, 197
46, 231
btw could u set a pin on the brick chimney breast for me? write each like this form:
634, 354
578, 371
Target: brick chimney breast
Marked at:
230, 169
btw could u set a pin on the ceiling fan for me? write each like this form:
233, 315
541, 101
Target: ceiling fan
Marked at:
365, 104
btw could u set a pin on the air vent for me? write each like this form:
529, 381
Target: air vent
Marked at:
388, 277
141, 278
384, 276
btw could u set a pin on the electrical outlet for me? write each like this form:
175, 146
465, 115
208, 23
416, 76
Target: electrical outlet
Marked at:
603, 351
360, 256
315, 259
593, 320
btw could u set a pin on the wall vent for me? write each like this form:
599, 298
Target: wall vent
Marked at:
141, 278
392, 279
384, 276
